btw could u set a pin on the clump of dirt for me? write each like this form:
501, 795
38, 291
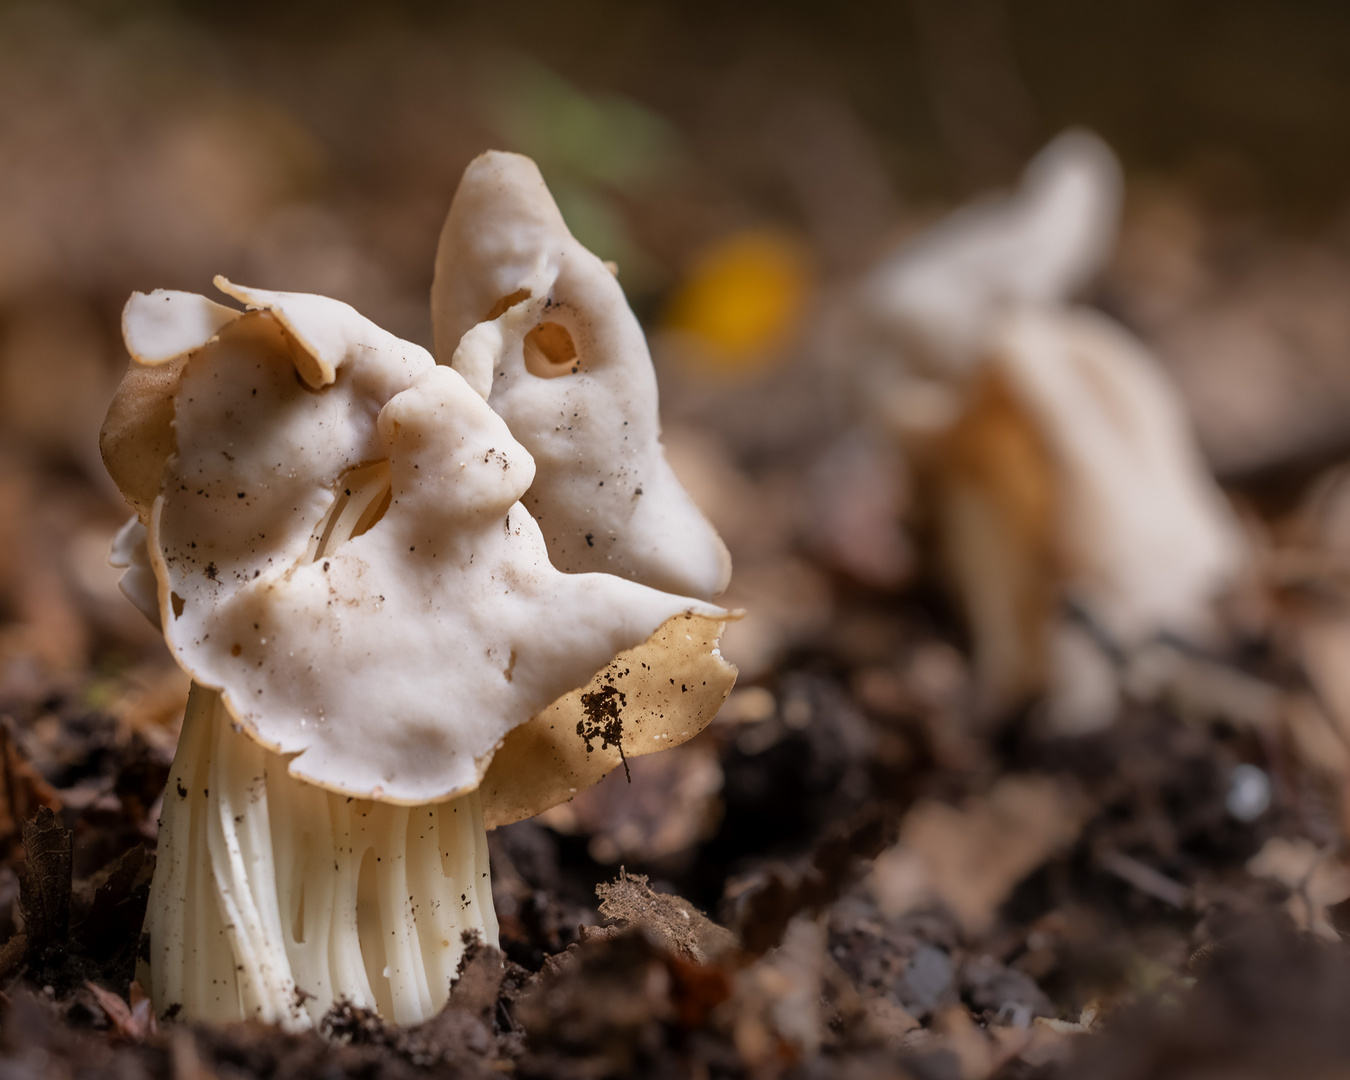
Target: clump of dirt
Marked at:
670, 922
1266, 1003
465, 1037
603, 721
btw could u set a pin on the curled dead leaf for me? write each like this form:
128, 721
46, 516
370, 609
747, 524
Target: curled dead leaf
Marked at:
971, 857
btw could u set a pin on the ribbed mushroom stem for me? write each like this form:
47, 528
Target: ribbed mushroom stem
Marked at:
273, 898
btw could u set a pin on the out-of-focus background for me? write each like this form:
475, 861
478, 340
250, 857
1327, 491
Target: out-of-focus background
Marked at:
930, 598
741, 163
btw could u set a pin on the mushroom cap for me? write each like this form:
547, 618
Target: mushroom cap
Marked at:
575, 384
395, 665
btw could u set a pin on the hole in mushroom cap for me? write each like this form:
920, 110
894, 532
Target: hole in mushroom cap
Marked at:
550, 351
178, 603
506, 302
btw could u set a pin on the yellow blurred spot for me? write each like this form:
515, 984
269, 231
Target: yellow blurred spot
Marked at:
743, 296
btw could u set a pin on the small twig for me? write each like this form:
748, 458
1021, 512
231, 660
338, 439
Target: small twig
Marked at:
1144, 878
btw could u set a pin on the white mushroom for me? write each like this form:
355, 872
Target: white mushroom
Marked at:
368, 615
1058, 460
573, 381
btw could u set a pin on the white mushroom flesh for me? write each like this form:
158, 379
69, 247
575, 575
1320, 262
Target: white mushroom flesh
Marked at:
574, 383
1147, 537
394, 665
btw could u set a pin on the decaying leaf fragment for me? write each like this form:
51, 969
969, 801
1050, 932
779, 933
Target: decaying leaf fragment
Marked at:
46, 885
1317, 880
970, 858
669, 921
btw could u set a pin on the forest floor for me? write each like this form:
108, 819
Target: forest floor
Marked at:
888, 891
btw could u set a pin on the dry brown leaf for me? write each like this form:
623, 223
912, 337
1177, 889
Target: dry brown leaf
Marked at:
1319, 879
134, 1022
970, 858
45, 885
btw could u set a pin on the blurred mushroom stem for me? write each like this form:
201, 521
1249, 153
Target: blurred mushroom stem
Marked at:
274, 898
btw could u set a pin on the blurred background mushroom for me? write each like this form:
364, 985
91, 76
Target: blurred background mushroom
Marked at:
1064, 487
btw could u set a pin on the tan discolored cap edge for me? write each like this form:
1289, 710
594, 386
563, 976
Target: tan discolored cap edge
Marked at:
668, 688
137, 435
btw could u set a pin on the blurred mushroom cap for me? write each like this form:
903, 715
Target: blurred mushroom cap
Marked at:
1040, 244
